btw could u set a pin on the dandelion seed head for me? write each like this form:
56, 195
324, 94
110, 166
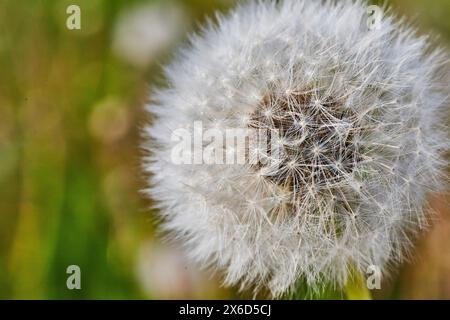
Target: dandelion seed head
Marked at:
358, 115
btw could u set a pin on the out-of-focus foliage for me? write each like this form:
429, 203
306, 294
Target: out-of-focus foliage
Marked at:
70, 111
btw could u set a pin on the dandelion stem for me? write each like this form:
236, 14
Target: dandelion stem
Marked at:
356, 288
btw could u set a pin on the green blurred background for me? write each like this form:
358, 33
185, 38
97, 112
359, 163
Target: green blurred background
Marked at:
71, 107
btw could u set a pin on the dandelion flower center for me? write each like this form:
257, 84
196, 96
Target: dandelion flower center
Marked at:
316, 139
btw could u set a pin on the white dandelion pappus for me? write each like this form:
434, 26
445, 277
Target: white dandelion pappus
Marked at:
360, 117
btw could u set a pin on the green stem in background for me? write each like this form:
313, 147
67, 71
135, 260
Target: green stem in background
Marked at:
356, 288
327, 291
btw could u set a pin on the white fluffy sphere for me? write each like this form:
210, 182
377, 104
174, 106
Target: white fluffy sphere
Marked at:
359, 117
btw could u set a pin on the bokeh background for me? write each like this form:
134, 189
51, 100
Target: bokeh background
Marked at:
71, 107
